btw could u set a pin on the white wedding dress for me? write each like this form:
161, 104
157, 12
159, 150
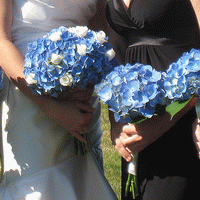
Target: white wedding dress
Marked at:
38, 155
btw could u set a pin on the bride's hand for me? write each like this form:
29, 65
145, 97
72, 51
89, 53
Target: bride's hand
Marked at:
78, 94
73, 116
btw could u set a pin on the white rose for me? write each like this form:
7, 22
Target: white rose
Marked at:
66, 80
81, 49
56, 59
30, 79
101, 37
110, 54
80, 31
56, 36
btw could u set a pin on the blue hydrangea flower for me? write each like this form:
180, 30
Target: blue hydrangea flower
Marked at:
77, 54
181, 80
134, 91
128, 90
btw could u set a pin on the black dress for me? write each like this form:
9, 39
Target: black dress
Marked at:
158, 32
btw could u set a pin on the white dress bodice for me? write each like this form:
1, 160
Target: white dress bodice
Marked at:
38, 154
34, 18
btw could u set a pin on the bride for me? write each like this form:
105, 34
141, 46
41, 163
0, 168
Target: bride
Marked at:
37, 131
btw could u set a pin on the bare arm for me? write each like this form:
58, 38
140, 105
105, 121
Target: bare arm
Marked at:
196, 6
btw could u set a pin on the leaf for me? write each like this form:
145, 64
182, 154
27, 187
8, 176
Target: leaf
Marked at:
138, 119
176, 106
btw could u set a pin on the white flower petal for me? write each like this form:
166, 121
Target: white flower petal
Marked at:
80, 31
66, 80
30, 79
101, 37
110, 54
81, 49
56, 36
56, 59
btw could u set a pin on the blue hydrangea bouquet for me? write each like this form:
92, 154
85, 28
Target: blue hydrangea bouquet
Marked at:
68, 58
137, 92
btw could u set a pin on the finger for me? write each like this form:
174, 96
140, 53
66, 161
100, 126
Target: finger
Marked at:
86, 119
85, 107
79, 137
134, 144
129, 129
194, 125
124, 136
196, 130
197, 146
134, 139
86, 128
122, 150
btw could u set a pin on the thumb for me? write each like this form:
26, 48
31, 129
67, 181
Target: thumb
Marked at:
85, 107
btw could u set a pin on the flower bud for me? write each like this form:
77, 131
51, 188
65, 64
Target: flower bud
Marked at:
56, 36
30, 79
56, 59
101, 37
81, 49
110, 54
66, 80
80, 31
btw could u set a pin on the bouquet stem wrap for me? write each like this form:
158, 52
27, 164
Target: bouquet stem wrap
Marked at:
131, 184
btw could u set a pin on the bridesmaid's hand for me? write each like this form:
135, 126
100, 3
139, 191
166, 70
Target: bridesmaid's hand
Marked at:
196, 135
134, 138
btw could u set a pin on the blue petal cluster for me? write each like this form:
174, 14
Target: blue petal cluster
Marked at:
130, 91
63, 53
137, 91
182, 79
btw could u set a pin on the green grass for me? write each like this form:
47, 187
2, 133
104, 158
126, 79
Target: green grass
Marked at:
112, 159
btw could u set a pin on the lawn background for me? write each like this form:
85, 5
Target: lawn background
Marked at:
112, 159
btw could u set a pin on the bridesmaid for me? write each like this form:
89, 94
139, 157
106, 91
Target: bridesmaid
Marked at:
157, 33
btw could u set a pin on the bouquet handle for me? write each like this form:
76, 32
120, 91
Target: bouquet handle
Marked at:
131, 184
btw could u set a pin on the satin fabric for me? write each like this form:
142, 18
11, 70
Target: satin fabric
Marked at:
157, 33
38, 155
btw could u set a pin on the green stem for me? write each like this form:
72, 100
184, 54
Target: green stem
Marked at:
81, 148
131, 186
